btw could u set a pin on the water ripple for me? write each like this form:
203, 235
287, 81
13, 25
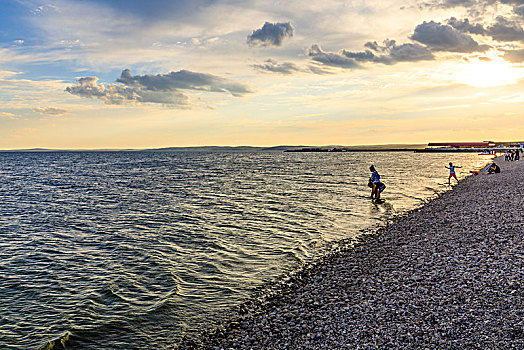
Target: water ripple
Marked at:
131, 249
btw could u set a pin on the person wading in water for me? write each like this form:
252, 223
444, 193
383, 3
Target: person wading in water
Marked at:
374, 182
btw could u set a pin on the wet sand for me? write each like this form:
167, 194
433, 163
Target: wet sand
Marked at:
446, 276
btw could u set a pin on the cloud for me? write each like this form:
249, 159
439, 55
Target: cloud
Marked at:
332, 59
519, 10
439, 37
512, 2
457, 3
7, 74
160, 88
464, 26
49, 111
270, 34
275, 67
119, 94
7, 115
183, 79
505, 30
391, 53
515, 56
473, 7
288, 68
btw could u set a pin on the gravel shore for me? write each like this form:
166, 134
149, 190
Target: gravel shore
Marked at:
446, 276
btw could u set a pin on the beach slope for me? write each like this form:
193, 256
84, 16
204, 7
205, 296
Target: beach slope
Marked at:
448, 275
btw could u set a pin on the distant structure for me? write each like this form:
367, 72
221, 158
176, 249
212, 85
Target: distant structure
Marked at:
461, 144
485, 147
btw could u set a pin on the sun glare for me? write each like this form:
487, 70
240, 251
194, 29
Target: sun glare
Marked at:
489, 72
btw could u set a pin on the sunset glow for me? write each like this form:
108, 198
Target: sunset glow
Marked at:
489, 72
114, 74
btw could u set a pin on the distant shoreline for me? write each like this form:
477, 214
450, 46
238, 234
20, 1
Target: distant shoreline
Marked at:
282, 148
417, 148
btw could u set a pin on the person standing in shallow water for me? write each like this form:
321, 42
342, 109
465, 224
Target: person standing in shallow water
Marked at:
452, 172
374, 182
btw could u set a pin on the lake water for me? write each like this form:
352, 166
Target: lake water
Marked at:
132, 249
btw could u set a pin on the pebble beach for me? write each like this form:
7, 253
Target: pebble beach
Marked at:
446, 276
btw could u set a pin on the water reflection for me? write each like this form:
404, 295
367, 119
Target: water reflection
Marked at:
123, 248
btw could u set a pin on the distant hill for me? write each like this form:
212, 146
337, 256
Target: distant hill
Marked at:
205, 149
388, 147
281, 148
284, 148
225, 149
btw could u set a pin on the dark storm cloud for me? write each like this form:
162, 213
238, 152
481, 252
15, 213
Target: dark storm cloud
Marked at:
271, 34
506, 30
160, 88
275, 67
465, 27
439, 37
332, 59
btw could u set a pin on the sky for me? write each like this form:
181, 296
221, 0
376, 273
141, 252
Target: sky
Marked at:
92, 74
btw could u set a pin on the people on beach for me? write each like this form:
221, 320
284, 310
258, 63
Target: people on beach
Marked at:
452, 172
493, 169
374, 182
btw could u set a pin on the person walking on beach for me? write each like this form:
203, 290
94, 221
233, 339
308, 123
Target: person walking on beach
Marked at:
374, 182
452, 172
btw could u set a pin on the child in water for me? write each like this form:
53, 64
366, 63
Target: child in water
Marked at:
374, 182
452, 172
